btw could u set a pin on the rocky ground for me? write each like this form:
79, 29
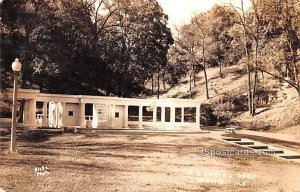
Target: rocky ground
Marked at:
136, 161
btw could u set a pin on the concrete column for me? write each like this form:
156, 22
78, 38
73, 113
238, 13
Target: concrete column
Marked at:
163, 115
54, 114
32, 113
197, 117
108, 116
45, 112
172, 117
95, 117
64, 114
125, 117
182, 114
154, 116
81, 115
25, 113
113, 110
140, 116
61, 113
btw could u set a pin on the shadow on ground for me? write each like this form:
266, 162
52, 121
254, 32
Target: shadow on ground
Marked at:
30, 135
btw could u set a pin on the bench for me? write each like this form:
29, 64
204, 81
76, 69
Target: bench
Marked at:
230, 130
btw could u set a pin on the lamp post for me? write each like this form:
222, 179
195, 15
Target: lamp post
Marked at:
16, 67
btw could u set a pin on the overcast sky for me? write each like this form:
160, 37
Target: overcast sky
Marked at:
180, 11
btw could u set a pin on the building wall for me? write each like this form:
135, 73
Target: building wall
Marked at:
108, 112
119, 116
71, 114
100, 116
53, 114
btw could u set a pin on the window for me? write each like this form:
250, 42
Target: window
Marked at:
117, 114
178, 114
147, 114
190, 114
133, 113
88, 109
168, 114
71, 113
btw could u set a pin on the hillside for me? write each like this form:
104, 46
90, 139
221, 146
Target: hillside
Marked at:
277, 103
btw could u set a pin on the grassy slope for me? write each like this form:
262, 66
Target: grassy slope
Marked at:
281, 115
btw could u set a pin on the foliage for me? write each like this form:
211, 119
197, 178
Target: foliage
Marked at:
84, 46
117, 46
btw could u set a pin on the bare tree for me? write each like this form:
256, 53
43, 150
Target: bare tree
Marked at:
187, 45
199, 24
242, 17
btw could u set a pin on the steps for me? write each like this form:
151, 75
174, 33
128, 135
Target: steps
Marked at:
272, 151
244, 143
291, 157
259, 147
231, 139
263, 148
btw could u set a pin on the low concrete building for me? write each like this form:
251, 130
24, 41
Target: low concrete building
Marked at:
59, 110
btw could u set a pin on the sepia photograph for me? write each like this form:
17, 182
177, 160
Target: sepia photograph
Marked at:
150, 95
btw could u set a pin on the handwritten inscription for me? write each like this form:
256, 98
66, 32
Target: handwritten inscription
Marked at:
101, 111
222, 177
41, 171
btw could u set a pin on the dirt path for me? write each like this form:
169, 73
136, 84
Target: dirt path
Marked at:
133, 161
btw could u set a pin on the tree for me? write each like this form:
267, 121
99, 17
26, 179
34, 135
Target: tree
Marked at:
140, 42
191, 41
200, 22
281, 41
185, 45
81, 46
220, 52
245, 37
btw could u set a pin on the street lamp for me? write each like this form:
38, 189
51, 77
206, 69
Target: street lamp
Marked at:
16, 67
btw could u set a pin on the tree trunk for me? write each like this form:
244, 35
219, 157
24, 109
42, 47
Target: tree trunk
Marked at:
295, 68
191, 86
243, 20
152, 84
26, 70
299, 98
249, 90
164, 81
255, 76
124, 87
194, 76
254, 94
206, 83
220, 69
289, 39
204, 70
287, 70
158, 86
108, 88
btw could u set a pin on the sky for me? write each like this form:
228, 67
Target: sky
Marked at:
180, 11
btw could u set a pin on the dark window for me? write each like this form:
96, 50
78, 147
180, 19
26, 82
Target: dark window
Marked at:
167, 114
117, 114
133, 113
147, 114
88, 109
70, 113
158, 114
177, 114
190, 114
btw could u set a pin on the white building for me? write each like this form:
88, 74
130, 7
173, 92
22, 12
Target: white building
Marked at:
107, 112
